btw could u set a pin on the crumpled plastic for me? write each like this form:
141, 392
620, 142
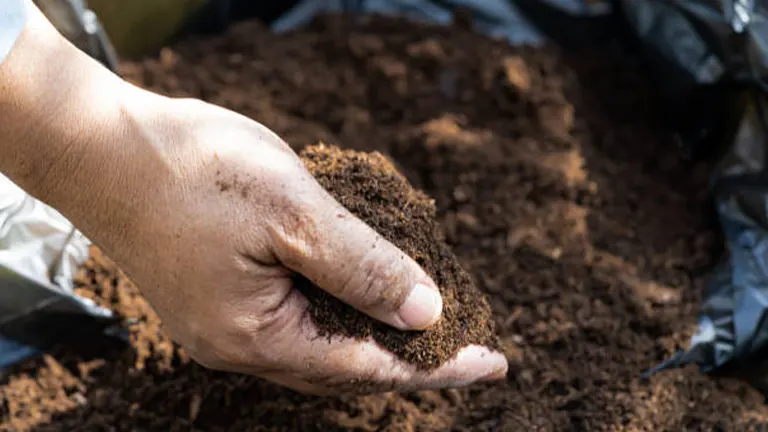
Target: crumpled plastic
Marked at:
40, 252
732, 336
493, 17
720, 48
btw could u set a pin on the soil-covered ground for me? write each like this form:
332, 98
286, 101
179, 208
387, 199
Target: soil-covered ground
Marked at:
554, 185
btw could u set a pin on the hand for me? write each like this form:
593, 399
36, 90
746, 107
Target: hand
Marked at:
210, 213
228, 213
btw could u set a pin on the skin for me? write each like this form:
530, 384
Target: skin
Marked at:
210, 213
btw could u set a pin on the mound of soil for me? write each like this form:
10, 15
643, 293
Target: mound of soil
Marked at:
370, 187
554, 184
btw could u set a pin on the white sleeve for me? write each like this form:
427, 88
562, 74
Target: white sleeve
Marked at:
13, 17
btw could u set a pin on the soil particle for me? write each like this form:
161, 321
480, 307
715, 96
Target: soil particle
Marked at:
556, 188
371, 188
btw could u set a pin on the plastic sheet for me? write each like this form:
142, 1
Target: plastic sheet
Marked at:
721, 47
494, 17
39, 253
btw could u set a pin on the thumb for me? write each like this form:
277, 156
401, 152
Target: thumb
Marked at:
345, 257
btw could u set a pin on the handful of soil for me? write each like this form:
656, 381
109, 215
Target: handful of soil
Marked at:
370, 187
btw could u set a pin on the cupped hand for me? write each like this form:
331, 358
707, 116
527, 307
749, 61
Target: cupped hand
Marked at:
211, 214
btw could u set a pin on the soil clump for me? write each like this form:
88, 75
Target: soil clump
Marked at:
372, 189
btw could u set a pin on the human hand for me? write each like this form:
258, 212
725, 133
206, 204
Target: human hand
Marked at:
211, 214
226, 213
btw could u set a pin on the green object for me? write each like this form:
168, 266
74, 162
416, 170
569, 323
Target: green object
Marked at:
138, 27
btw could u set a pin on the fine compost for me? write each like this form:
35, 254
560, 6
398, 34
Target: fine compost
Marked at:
370, 187
555, 185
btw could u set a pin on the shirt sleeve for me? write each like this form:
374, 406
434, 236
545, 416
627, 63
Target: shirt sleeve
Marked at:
13, 17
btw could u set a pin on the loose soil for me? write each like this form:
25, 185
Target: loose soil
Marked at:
370, 187
554, 184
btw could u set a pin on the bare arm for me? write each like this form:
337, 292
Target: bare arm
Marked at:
64, 119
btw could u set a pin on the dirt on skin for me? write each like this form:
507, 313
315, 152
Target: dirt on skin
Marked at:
554, 184
371, 188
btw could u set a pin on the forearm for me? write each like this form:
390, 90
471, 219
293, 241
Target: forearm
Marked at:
54, 102
74, 134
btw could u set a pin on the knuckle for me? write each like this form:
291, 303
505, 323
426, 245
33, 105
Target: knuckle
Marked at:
295, 232
376, 283
365, 287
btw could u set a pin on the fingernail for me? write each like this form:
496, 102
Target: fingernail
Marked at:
422, 307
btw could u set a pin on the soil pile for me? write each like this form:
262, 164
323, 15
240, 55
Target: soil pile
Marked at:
370, 187
554, 185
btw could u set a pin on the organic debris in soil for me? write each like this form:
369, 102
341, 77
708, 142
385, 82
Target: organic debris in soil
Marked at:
554, 185
370, 187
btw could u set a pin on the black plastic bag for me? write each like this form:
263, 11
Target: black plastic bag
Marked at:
710, 58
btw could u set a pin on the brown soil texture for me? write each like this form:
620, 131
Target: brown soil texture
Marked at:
555, 186
370, 187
